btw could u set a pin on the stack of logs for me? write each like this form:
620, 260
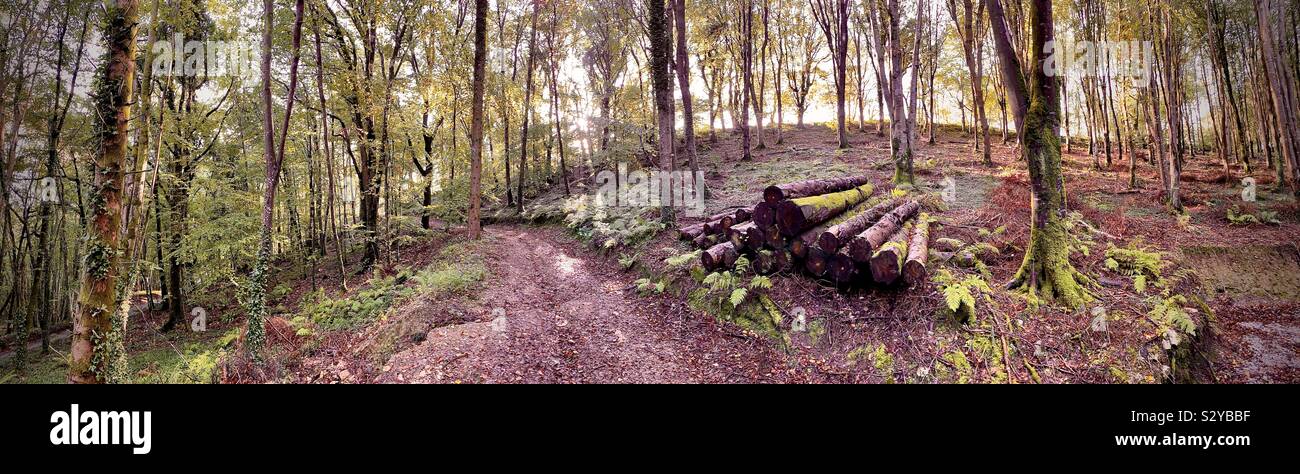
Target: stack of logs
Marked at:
824, 228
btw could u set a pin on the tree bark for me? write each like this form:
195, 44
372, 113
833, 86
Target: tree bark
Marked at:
797, 216
864, 244
780, 192
97, 350
476, 119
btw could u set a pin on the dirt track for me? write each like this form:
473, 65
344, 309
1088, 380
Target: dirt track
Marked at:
568, 319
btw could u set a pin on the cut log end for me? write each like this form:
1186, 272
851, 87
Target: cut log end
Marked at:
815, 262
842, 269
719, 256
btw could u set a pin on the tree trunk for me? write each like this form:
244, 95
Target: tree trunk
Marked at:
476, 118
838, 236
886, 263
1046, 268
684, 83
864, 244
660, 61
98, 353
918, 252
274, 155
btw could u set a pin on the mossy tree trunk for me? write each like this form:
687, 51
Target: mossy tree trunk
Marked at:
274, 156
96, 340
1046, 269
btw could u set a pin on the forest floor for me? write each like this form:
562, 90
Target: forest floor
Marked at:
558, 316
537, 303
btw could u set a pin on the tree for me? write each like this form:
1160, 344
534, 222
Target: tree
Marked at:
274, 156
661, 54
98, 351
970, 29
806, 57
684, 83
1046, 269
745, 75
900, 143
528, 107
833, 17
1282, 87
476, 117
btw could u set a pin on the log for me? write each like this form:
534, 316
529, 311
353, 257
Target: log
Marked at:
796, 216
705, 241
816, 262
757, 237
918, 252
739, 235
841, 268
887, 263
799, 246
773, 239
716, 224
812, 187
768, 262
719, 226
839, 235
719, 256
764, 214
864, 245
690, 232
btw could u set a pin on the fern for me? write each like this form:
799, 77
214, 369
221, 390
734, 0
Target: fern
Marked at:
682, 261
738, 296
959, 295
1142, 265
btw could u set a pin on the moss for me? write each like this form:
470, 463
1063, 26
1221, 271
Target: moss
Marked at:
1046, 271
961, 368
816, 329
883, 362
857, 354
840, 200
1118, 374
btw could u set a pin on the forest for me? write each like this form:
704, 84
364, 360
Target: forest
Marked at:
650, 191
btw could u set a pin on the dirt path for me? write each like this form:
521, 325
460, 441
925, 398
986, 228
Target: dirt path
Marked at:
571, 319
34, 347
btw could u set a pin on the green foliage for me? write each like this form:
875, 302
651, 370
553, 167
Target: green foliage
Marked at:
380, 294
195, 364
1168, 312
609, 227
627, 262
1240, 218
737, 296
959, 294
1140, 264
647, 286
683, 261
